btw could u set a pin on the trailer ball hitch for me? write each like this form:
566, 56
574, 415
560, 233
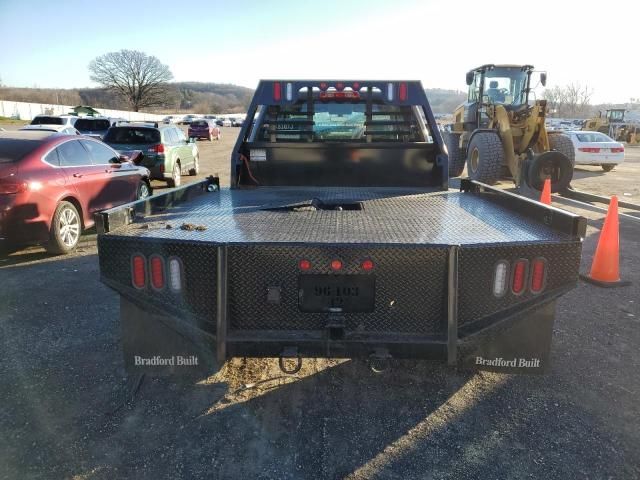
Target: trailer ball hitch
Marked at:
290, 353
380, 360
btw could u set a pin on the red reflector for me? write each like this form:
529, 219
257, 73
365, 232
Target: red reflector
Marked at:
402, 94
617, 150
519, 277
589, 149
538, 275
367, 265
336, 264
277, 92
138, 273
304, 264
339, 95
157, 273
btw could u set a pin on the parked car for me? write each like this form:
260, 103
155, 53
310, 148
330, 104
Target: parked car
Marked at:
187, 119
93, 126
595, 148
53, 129
52, 185
226, 122
206, 129
236, 121
168, 154
219, 122
68, 120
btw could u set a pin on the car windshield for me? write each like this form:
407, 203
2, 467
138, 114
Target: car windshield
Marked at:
593, 137
47, 120
128, 135
14, 149
506, 85
85, 124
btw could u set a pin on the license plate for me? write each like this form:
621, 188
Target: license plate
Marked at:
336, 293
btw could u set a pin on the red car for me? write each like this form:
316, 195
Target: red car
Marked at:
206, 129
51, 186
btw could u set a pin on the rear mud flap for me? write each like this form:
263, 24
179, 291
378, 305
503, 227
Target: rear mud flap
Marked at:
521, 345
159, 345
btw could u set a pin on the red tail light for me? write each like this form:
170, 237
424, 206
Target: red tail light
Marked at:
11, 186
589, 149
538, 275
336, 264
402, 93
157, 272
519, 277
157, 148
617, 150
138, 271
277, 91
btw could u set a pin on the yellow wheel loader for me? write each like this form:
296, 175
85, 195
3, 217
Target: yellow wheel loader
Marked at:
496, 132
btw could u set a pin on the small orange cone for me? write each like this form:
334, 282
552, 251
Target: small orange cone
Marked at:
605, 269
546, 192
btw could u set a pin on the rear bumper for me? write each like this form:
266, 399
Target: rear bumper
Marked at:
22, 222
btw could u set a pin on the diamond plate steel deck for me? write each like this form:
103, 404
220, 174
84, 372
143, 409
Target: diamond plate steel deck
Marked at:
389, 216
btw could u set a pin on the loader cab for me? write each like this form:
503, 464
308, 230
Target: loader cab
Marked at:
506, 85
615, 115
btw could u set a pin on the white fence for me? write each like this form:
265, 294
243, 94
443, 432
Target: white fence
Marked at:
26, 111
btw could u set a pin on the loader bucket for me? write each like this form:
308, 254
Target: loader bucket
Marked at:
553, 165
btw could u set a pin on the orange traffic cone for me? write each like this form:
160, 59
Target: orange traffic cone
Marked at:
546, 192
605, 269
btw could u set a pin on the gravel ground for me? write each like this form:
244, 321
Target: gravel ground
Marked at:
70, 412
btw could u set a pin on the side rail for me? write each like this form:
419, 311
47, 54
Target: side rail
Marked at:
114, 218
555, 218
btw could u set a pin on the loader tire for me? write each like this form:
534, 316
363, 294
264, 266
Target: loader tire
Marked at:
456, 159
485, 157
563, 144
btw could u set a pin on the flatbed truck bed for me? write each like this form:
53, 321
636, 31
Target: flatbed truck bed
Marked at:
357, 262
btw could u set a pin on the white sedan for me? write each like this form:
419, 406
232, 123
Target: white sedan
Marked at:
595, 148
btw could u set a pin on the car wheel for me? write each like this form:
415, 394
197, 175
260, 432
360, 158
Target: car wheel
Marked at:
66, 228
176, 176
144, 190
196, 166
607, 168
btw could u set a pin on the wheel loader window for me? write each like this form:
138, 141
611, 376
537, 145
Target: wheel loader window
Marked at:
506, 86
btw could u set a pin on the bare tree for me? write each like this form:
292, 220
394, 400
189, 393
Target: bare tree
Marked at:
569, 101
140, 78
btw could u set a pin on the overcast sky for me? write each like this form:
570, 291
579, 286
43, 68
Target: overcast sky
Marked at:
50, 43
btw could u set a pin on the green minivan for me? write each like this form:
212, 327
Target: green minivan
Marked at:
168, 154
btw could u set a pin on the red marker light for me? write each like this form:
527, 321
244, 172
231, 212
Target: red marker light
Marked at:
519, 277
336, 264
538, 275
304, 264
403, 92
157, 272
138, 271
277, 92
367, 265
